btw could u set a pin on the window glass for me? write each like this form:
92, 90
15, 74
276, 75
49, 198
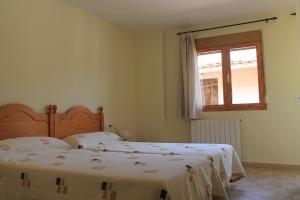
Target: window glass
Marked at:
210, 69
244, 75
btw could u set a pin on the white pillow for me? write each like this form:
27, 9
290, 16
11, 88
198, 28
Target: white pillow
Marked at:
24, 144
92, 139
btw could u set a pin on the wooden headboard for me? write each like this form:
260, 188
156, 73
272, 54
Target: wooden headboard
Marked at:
78, 119
17, 120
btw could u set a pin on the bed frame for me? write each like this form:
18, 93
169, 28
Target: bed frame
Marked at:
77, 120
17, 120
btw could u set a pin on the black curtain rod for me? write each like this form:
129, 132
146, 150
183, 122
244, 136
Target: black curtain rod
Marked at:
231, 25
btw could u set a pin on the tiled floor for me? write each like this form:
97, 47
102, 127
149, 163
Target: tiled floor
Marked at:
266, 184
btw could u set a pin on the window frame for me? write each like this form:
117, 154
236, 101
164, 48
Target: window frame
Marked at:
227, 79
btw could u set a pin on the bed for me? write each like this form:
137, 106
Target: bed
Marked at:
36, 166
81, 127
223, 156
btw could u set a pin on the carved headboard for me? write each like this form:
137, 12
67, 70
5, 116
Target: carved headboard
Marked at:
77, 120
17, 120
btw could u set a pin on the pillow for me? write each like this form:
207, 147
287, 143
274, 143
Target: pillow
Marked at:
92, 139
24, 144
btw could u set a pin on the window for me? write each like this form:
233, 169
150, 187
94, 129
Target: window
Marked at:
231, 71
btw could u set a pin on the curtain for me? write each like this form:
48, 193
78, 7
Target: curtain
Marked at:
190, 106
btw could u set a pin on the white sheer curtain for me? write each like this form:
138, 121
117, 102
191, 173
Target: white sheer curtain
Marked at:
190, 94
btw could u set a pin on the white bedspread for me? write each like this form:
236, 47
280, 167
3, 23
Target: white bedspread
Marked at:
225, 159
67, 174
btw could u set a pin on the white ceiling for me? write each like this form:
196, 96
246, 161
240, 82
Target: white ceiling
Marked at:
138, 16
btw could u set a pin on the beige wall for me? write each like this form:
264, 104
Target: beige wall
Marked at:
149, 87
52, 52
267, 136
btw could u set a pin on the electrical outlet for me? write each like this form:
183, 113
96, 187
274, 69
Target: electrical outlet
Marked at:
297, 98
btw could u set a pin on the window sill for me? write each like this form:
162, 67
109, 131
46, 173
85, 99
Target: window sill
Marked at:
235, 107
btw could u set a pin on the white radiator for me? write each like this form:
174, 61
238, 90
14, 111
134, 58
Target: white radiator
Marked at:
217, 131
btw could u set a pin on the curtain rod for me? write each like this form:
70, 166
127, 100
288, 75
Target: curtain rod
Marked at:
231, 25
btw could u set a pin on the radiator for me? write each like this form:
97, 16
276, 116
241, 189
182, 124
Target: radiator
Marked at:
217, 131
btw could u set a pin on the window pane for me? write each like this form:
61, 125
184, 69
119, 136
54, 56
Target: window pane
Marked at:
210, 69
244, 75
